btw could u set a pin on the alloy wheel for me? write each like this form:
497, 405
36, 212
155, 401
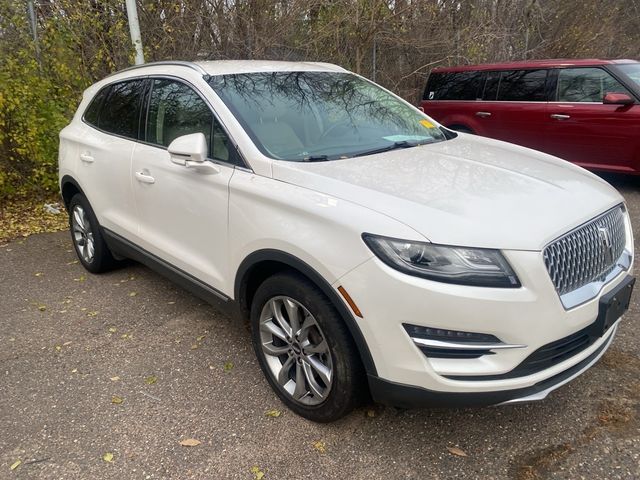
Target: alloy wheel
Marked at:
82, 234
296, 350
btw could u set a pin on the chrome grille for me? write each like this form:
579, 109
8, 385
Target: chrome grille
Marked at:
584, 255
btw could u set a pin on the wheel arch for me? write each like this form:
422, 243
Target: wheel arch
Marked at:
261, 264
68, 188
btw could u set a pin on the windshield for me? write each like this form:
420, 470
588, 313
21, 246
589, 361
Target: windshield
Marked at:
315, 116
632, 70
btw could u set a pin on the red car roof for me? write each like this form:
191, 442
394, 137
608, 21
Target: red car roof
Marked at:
561, 62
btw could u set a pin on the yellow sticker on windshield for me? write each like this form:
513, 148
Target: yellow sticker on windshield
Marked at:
427, 124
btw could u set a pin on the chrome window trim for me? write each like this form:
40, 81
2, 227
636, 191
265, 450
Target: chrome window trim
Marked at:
188, 84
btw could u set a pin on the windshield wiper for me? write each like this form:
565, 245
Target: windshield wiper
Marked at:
393, 146
316, 158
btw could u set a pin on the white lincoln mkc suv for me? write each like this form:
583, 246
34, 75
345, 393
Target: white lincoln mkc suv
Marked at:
375, 253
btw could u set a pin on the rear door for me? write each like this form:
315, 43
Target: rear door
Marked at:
111, 129
585, 131
514, 107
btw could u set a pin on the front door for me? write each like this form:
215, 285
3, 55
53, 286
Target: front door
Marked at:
585, 131
182, 212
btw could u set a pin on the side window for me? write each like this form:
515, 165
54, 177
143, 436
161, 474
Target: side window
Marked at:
120, 112
586, 85
92, 112
453, 86
176, 110
523, 86
491, 86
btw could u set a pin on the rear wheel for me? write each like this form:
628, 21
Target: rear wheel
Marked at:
87, 238
304, 349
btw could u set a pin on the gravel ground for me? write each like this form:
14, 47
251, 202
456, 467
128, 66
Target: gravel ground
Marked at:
73, 343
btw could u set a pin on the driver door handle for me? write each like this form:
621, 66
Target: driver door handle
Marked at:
559, 116
142, 177
483, 114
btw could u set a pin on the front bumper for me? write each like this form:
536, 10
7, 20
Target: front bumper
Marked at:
531, 316
406, 396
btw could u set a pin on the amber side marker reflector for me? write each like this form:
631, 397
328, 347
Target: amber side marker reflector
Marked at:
350, 301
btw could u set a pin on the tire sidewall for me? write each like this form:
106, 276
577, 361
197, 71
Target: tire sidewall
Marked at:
101, 257
342, 396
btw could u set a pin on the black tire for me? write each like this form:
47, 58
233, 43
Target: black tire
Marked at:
102, 259
348, 380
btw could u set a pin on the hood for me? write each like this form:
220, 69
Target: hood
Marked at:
468, 191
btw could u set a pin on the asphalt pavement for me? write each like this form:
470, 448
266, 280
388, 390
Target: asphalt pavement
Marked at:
104, 375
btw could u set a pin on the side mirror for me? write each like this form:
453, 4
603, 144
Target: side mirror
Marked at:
617, 99
188, 148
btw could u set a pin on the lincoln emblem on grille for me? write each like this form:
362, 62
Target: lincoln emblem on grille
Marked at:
605, 238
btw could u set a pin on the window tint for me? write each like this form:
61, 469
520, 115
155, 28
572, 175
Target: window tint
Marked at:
176, 110
522, 85
93, 110
453, 86
120, 113
491, 86
586, 85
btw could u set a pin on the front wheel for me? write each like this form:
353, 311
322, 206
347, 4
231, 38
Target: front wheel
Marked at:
304, 349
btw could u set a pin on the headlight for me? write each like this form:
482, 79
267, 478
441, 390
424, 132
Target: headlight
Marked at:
481, 267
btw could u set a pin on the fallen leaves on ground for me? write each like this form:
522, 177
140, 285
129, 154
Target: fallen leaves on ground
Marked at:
273, 413
133, 294
190, 442
108, 457
151, 380
457, 451
114, 379
257, 473
320, 446
227, 367
21, 217
42, 308
15, 464
116, 400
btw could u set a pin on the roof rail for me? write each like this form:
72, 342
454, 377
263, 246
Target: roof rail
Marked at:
178, 63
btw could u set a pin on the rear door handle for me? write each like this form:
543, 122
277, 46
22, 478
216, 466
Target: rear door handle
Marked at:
483, 114
144, 178
559, 116
86, 158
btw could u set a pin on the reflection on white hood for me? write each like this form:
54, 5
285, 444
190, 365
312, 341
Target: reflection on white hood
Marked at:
469, 191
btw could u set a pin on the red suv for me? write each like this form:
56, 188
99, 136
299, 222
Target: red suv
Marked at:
585, 111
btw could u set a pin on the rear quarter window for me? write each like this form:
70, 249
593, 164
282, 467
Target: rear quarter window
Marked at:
453, 86
92, 113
